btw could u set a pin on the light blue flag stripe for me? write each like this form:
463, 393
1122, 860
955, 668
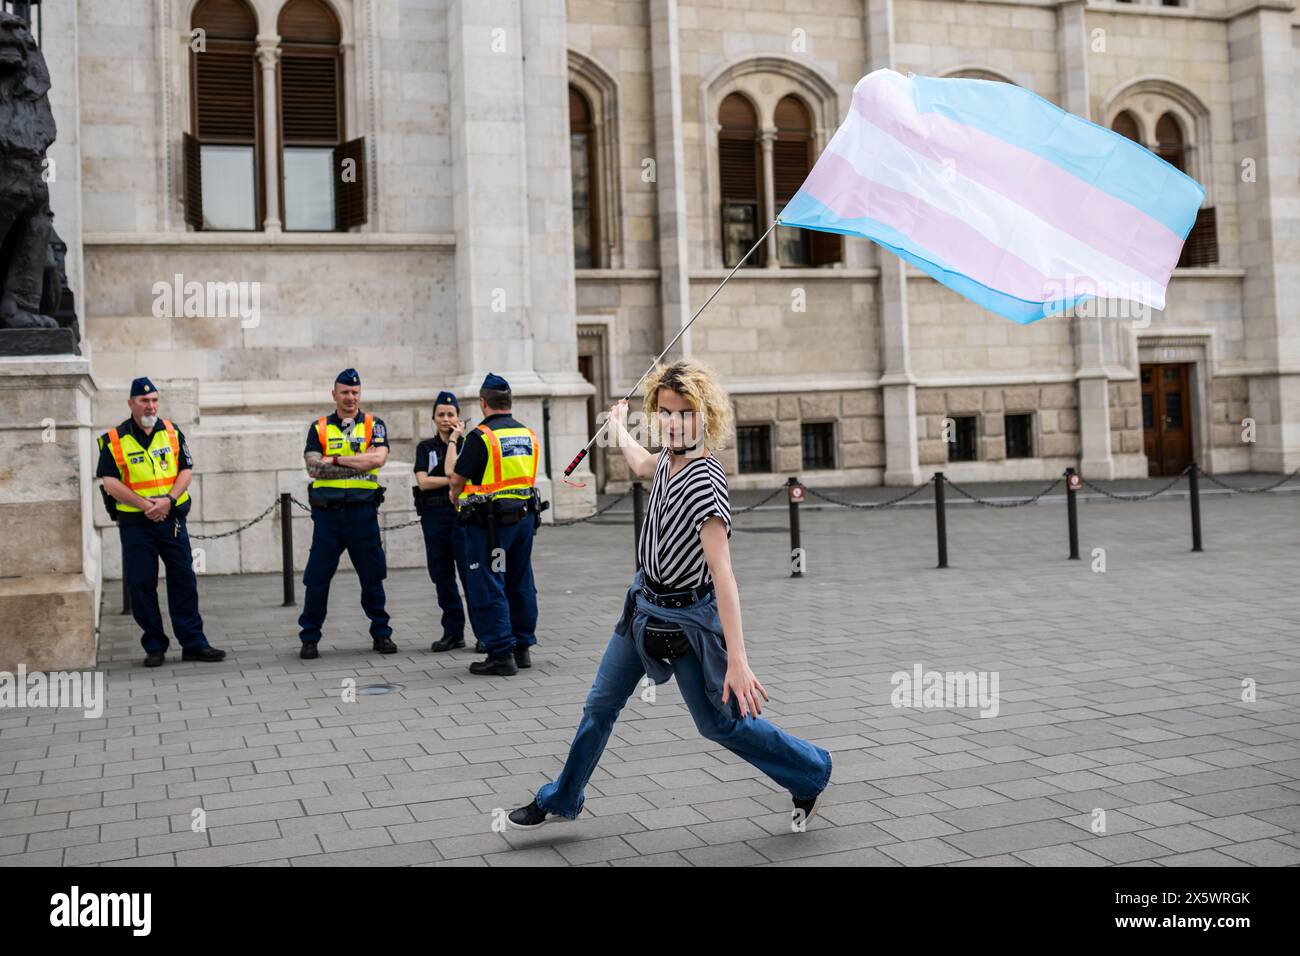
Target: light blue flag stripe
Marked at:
1096, 155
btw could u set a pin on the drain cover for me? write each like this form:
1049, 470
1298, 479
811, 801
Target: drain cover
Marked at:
371, 689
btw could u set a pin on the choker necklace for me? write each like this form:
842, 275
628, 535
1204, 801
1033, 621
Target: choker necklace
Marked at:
684, 451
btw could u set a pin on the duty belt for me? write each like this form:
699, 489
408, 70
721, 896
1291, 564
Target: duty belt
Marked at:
684, 598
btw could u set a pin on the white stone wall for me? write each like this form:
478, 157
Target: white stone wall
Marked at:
468, 163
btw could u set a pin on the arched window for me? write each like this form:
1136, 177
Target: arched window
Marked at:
1127, 126
222, 155
267, 122
1170, 143
595, 165
1170, 121
311, 117
740, 179
582, 160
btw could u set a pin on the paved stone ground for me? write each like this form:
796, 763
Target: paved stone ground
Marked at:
1120, 690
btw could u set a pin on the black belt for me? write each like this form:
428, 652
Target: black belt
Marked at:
660, 597
329, 504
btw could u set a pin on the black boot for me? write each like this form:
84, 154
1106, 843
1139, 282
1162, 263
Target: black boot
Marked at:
523, 658
208, 654
500, 665
448, 643
385, 645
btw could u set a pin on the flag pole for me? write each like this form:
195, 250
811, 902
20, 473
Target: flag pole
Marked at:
585, 448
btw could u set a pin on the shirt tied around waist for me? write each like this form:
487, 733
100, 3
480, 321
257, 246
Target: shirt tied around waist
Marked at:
703, 629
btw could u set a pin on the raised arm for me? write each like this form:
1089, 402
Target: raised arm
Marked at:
638, 459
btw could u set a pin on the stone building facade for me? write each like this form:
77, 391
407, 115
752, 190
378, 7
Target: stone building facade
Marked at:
551, 190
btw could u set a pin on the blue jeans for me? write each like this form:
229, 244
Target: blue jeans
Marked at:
801, 767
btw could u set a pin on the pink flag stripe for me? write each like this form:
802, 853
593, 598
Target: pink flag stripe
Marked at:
1077, 208
878, 159
951, 242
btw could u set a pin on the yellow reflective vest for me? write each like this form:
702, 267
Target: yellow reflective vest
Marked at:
149, 472
511, 468
334, 442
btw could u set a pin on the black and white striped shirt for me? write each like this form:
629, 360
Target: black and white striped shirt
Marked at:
671, 552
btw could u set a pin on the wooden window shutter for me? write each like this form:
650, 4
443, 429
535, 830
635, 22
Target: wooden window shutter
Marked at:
790, 167
1202, 245
309, 98
350, 182
827, 247
225, 95
193, 177
738, 162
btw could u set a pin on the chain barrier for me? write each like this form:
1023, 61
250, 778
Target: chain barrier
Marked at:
758, 504
830, 499
242, 527
1247, 491
870, 505
1159, 491
989, 503
595, 514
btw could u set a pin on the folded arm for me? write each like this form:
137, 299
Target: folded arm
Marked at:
317, 468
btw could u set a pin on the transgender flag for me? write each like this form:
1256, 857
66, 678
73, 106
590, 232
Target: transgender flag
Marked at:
1016, 204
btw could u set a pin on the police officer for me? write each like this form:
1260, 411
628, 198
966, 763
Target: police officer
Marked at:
493, 484
444, 538
344, 453
146, 467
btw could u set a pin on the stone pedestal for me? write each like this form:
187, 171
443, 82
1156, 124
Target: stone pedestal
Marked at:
49, 552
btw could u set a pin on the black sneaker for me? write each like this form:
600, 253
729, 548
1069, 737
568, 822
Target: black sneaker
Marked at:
805, 810
532, 816
503, 665
523, 658
154, 659
385, 645
309, 651
448, 644
209, 654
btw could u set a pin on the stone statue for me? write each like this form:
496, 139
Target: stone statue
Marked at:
29, 265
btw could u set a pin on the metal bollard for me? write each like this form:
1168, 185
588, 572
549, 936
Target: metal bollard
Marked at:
286, 546
126, 595
940, 520
1072, 511
1195, 498
638, 513
796, 566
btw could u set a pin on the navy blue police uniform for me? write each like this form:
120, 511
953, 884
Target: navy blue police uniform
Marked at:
444, 538
498, 547
345, 517
146, 542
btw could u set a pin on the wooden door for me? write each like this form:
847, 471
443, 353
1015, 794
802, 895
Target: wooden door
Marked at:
1166, 418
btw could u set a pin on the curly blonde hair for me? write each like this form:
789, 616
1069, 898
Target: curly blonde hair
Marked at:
698, 384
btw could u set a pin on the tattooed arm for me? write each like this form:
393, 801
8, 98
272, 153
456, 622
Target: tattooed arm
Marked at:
317, 469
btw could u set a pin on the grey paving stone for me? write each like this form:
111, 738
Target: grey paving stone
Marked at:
1118, 691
